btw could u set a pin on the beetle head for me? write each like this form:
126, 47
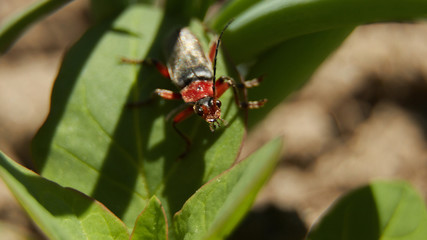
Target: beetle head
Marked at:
210, 110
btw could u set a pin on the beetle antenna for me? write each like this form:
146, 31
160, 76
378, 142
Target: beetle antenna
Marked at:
216, 54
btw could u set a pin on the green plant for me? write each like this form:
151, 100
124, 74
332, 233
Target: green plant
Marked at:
382, 210
124, 161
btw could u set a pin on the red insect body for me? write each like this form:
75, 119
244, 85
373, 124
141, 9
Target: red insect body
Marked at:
190, 69
197, 90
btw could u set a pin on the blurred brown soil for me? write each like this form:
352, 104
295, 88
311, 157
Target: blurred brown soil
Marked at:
361, 117
27, 73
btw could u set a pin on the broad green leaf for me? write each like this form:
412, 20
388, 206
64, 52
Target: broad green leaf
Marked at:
269, 23
104, 9
187, 9
122, 156
382, 210
287, 67
215, 209
61, 213
12, 28
231, 10
152, 223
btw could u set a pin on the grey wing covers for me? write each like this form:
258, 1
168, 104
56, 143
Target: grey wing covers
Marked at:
186, 60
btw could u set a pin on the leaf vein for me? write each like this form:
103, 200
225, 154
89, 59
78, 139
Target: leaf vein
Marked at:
124, 187
122, 150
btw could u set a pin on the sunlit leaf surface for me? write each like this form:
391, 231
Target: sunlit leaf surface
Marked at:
382, 210
61, 213
123, 156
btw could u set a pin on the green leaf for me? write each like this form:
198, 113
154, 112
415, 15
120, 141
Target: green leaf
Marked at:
270, 22
287, 67
152, 223
104, 9
61, 213
215, 209
382, 210
187, 9
122, 156
230, 10
12, 28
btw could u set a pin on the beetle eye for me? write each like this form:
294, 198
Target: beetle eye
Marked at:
199, 111
218, 103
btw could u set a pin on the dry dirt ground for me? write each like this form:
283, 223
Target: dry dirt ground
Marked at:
360, 118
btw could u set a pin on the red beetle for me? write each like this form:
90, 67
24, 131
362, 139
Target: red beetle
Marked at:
194, 74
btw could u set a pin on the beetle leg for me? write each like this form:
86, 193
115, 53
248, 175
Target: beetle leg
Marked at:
178, 118
149, 61
160, 67
252, 83
212, 50
184, 114
242, 85
225, 80
253, 104
167, 94
163, 93
221, 86
131, 61
213, 47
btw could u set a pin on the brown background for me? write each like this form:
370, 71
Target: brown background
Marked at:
361, 117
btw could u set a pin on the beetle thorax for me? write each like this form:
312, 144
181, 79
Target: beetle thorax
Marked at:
197, 90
